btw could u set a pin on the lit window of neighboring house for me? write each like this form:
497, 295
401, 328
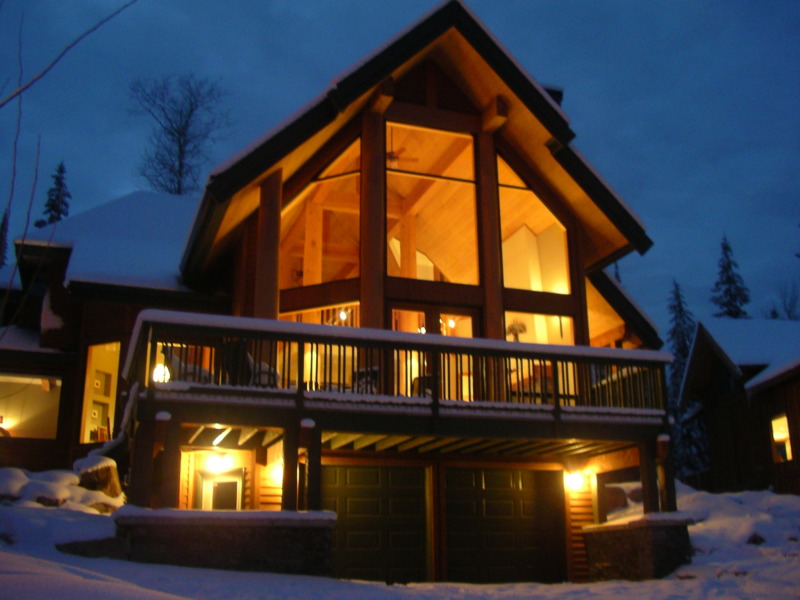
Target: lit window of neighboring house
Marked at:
781, 440
29, 405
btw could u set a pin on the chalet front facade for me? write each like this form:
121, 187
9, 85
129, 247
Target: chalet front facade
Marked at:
403, 318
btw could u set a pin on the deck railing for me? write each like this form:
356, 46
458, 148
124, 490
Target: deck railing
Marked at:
265, 356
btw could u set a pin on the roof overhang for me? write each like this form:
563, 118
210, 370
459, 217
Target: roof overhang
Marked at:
453, 38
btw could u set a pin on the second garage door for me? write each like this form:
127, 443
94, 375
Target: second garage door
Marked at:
504, 525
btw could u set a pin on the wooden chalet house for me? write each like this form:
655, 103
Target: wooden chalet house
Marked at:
404, 320
741, 398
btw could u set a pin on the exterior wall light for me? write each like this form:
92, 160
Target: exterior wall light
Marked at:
161, 374
577, 481
219, 462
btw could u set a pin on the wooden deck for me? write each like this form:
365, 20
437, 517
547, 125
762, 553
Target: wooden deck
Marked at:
214, 360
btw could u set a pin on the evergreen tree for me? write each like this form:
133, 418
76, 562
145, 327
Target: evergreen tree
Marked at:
58, 196
4, 239
687, 432
729, 293
679, 337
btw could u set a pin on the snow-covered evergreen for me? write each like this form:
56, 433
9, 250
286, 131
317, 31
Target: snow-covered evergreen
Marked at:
688, 431
729, 293
57, 205
679, 337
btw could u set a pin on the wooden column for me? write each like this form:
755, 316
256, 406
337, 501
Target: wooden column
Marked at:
490, 238
170, 476
373, 220
141, 476
314, 469
291, 441
648, 473
266, 284
666, 475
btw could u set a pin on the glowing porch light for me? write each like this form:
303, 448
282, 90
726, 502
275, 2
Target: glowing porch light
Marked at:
577, 481
343, 315
219, 462
274, 474
161, 374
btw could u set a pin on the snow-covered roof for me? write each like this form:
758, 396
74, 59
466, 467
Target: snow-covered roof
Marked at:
770, 343
136, 240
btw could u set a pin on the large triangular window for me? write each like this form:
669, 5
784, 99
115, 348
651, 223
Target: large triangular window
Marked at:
320, 227
534, 241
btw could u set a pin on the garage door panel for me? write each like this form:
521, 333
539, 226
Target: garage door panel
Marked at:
407, 507
499, 480
363, 540
363, 507
498, 508
363, 476
456, 479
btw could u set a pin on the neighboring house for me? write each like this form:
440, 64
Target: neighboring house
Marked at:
432, 189
741, 391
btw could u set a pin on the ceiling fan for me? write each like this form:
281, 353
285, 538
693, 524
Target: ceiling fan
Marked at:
393, 157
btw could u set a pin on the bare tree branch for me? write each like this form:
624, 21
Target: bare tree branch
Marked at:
187, 119
63, 53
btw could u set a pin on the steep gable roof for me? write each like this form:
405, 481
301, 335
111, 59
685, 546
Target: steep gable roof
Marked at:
453, 37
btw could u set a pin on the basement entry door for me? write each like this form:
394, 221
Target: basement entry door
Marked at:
381, 522
504, 525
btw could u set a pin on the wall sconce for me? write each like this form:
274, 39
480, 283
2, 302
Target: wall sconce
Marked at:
577, 481
161, 374
275, 474
219, 462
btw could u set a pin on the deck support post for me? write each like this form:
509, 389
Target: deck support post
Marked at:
647, 470
170, 468
314, 468
291, 442
141, 477
666, 476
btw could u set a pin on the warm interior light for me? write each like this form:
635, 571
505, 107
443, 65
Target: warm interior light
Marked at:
451, 323
219, 462
275, 474
422, 330
575, 482
161, 374
780, 434
343, 315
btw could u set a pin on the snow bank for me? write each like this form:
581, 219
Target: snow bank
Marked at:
52, 489
747, 547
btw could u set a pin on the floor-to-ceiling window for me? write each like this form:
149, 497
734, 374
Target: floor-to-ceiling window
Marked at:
430, 205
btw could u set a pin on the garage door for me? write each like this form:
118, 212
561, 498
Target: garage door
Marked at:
381, 526
504, 525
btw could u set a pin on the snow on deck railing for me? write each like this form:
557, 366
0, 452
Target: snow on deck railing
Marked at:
199, 350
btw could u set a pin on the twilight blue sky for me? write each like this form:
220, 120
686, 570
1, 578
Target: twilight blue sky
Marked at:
690, 110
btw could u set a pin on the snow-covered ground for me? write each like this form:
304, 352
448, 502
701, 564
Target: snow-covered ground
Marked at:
727, 563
